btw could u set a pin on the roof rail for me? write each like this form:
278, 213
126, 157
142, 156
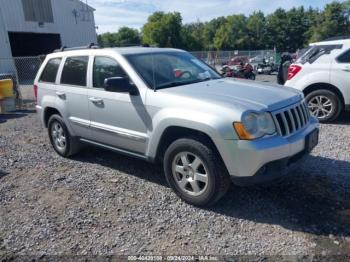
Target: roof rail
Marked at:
131, 45
64, 48
344, 37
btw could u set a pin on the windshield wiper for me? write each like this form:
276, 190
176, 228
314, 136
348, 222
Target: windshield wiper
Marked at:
173, 84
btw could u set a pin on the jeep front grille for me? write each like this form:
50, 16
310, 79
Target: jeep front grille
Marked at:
292, 119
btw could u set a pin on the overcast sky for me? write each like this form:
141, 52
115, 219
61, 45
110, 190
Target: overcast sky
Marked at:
110, 15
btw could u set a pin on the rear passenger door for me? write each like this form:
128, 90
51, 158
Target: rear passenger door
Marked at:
72, 94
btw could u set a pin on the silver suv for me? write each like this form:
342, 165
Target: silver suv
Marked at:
165, 105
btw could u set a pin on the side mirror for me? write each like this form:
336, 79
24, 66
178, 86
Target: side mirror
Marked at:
120, 85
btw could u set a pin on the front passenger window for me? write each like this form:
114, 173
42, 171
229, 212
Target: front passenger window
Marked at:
105, 67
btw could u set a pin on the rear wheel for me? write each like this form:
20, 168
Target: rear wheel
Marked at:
195, 172
63, 143
324, 104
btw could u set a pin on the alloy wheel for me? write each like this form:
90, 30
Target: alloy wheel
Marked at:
58, 136
190, 173
321, 106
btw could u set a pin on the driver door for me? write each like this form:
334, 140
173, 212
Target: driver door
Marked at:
117, 119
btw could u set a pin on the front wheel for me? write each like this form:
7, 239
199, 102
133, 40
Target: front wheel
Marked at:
251, 76
324, 104
195, 172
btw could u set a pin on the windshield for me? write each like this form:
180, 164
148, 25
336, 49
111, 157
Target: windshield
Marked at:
169, 69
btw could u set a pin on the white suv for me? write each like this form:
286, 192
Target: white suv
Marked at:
323, 74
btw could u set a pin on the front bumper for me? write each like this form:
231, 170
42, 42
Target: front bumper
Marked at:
273, 155
272, 171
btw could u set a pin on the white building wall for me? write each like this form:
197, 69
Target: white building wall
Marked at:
6, 62
74, 31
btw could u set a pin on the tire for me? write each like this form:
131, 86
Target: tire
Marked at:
210, 175
328, 100
70, 145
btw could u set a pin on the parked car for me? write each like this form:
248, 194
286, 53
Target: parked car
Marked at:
323, 74
165, 105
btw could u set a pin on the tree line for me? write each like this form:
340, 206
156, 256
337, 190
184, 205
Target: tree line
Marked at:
285, 30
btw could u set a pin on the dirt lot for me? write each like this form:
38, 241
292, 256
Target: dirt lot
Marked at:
104, 203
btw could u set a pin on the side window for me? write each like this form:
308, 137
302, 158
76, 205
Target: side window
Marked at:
74, 71
344, 58
105, 67
50, 71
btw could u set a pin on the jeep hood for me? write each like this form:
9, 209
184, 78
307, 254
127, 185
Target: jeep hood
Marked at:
241, 94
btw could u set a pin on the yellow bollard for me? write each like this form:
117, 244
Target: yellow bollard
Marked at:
6, 88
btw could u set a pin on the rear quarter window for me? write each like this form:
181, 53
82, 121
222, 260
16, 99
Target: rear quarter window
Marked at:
344, 58
75, 71
50, 71
313, 53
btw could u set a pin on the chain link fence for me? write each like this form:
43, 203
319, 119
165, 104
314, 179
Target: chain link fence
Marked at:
217, 58
22, 70
27, 68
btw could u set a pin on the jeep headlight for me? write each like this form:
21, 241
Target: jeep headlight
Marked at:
255, 125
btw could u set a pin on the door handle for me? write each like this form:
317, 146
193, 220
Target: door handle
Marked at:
95, 100
61, 95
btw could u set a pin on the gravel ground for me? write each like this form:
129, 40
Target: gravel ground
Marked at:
267, 78
104, 203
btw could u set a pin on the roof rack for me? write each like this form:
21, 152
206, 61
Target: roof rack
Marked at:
131, 45
337, 38
64, 48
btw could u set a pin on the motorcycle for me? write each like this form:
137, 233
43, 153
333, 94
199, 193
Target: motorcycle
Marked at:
241, 71
267, 67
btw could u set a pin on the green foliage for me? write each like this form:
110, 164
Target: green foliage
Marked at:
256, 30
210, 30
277, 29
333, 21
163, 30
192, 36
124, 37
232, 34
285, 30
